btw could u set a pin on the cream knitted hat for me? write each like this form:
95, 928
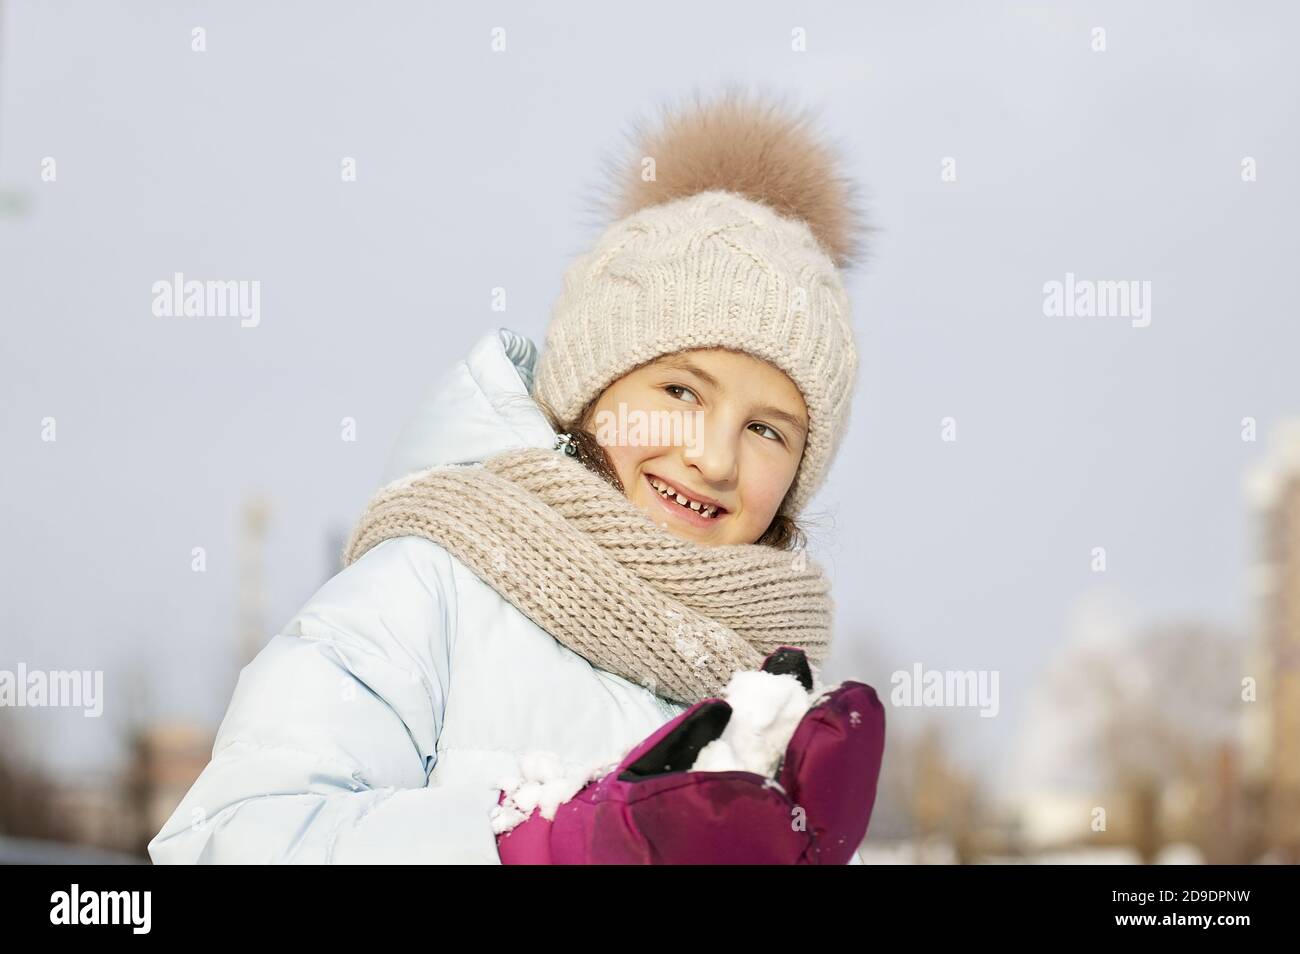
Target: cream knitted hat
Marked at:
732, 228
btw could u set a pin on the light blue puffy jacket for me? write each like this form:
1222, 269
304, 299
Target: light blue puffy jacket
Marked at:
376, 725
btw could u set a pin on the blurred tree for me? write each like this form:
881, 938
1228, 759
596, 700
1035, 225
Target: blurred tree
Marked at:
1149, 713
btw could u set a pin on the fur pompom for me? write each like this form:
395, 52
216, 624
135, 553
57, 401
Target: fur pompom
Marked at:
744, 144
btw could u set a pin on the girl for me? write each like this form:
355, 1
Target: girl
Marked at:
537, 577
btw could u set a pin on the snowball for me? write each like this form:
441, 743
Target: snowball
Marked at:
717, 756
765, 710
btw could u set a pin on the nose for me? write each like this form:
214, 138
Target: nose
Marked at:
716, 456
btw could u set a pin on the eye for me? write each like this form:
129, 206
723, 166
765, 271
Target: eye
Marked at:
674, 388
772, 434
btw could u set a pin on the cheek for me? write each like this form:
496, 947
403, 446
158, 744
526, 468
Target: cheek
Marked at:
626, 460
765, 483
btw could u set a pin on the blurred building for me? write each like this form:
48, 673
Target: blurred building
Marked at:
99, 812
166, 759
1273, 490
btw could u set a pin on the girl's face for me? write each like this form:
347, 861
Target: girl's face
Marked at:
707, 442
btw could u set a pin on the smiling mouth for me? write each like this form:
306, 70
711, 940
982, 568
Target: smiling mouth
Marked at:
693, 508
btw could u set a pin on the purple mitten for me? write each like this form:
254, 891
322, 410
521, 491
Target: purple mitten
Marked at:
832, 764
653, 810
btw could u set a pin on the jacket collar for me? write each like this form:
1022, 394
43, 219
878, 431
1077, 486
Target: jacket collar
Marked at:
479, 408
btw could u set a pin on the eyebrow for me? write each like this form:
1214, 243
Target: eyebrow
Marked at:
684, 364
781, 415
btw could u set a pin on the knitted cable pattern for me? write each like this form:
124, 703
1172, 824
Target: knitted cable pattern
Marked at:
587, 565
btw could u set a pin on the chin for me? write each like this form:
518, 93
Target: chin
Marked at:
695, 536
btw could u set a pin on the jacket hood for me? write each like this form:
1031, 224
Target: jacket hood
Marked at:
479, 408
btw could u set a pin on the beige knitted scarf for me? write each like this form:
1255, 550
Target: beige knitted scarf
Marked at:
592, 569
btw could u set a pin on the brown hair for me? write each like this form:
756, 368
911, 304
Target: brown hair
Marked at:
783, 533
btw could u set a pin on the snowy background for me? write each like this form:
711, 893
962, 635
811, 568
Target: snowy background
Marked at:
475, 169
